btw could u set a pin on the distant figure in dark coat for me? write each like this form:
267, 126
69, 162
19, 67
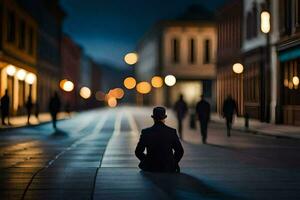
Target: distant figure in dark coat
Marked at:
29, 106
229, 109
54, 107
5, 108
203, 113
37, 111
181, 109
163, 147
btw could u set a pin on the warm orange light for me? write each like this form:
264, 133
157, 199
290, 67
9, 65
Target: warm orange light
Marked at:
30, 78
85, 92
296, 81
112, 102
131, 58
117, 93
68, 86
157, 82
143, 87
11, 70
238, 68
129, 83
21, 74
265, 23
62, 83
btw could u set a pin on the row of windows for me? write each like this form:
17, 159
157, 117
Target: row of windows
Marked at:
252, 20
229, 33
192, 51
289, 16
252, 83
19, 32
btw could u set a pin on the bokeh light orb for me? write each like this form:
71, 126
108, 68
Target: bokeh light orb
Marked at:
68, 86
85, 92
143, 87
170, 80
238, 68
157, 82
130, 83
112, 102
296, 81
131, 58
11, 70
117, 93
21, 74
30, 78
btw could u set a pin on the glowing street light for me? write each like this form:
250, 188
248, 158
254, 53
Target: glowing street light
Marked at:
157, 82
85, 92
143, 87
238, 68
11, 70
170, 80
30, 78
265, 19
21, 74
67, 86
131, 58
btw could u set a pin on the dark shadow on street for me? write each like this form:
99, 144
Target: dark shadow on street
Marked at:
185, 186
59, 133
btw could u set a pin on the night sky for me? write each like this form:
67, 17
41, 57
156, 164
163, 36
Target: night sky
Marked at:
108, 29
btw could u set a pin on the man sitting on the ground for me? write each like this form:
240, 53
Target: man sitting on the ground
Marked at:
160, 141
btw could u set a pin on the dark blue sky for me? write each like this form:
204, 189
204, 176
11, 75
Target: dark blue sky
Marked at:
107, 29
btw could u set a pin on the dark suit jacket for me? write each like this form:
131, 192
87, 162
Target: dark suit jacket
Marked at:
160, 141
203, 111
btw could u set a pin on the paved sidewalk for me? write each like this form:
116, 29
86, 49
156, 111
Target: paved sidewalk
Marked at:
261, 128
21, 121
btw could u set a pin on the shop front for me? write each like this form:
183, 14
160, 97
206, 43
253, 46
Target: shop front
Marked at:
20, 83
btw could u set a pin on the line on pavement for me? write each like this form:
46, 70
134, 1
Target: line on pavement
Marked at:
74, 144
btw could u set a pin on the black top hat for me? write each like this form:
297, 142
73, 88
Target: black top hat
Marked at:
159, 113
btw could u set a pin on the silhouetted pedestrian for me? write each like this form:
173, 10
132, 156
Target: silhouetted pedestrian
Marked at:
229, 109
54, 107
29, 106
181, 109
37, 111
5, 108
203, 113
164, 150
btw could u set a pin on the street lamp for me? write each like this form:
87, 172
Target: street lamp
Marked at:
265, 18
67, 85
265, 22
238, 68
143, 87
30, 78
296, 81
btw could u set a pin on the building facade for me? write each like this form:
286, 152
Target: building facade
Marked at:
186, 48
260, 60
18, 55
288, 102
71, 62
49, 17
229, 24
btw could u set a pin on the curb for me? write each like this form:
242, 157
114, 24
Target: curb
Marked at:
257, 132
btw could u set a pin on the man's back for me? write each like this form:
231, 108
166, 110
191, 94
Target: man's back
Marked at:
203, 110
229, 107
160, 141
